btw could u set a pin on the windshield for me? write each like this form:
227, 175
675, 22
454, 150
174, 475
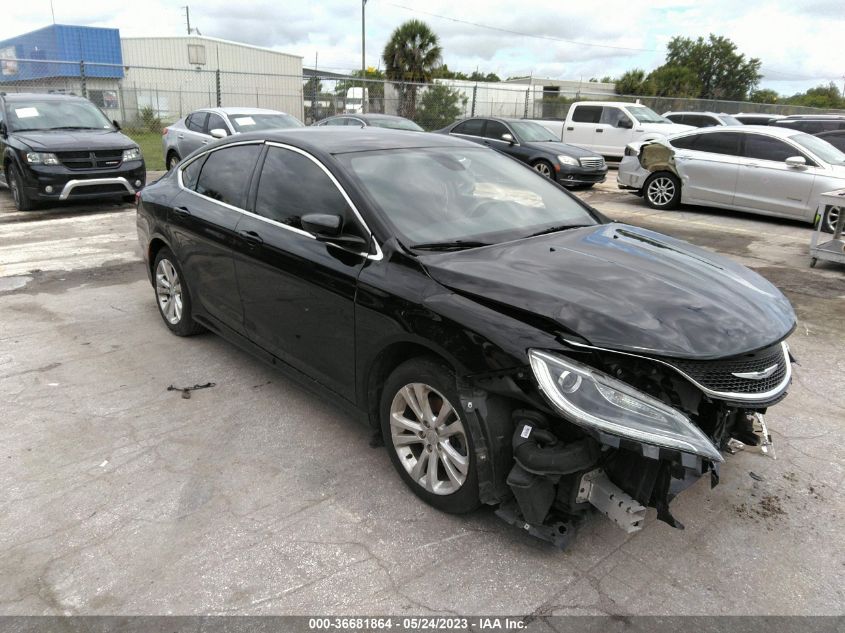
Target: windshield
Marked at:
255, 122
55, 115
461, 194
530, 132
396, 124
820, 147
727, 119
646, 115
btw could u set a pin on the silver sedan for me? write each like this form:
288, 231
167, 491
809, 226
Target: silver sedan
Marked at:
760, 169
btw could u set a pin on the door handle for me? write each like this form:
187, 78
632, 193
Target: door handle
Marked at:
252, 238
598, 129
205, 142
751, 165
181, 136
182, 212
570, 129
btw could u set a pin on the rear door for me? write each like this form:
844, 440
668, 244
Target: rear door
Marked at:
471, 130
191, 138
708, 164
297, 292
613, 132
768, 184
203, 220
581, 126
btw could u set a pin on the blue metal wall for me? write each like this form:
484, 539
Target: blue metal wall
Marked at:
62, 43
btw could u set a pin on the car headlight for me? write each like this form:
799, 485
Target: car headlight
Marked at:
568, 160
131, 154
41, 158
594, 400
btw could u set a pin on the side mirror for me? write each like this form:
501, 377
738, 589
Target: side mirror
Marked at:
219, 132
797, 162
625, 123
508, 137
327, 227
116, 125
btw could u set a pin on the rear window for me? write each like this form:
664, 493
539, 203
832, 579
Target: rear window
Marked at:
586, 114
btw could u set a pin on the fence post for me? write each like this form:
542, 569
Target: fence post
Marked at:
217, 76
474, 93
314, 94
527, 93
82, 81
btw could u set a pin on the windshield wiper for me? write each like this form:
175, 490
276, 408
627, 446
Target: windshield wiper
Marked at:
454, 245
75, 127
555, 229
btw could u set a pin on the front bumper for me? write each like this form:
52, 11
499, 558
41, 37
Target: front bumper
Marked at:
569, 176
58, 183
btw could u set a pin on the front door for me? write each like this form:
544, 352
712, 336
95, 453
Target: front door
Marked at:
708, 164
298, 293
581, 127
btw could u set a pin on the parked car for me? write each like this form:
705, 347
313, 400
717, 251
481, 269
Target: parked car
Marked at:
812, 124
702, 119
835, 138
607, 127
389, 121
513, 346
199, 128
534, 145
62, 147
756, 118
768, 169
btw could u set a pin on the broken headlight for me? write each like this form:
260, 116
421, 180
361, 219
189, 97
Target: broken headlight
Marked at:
594, 400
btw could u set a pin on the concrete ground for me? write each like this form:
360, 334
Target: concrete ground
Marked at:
256, 497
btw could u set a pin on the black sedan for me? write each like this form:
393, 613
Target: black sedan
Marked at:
512, 346
534, 145
835, 138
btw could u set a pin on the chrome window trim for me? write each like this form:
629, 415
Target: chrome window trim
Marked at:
739, 397
377, 256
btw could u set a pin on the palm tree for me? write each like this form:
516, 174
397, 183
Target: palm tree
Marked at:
410, 56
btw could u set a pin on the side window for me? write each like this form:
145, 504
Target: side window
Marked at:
336, 121
685, 142
495, 129
196, 122
725, 143
699, 120
472, 127
191, 173
292, 185
587, 114
215, 121
767, 148
612, 116
226, 172
677, 118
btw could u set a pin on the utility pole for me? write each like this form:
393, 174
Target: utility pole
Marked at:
364, 90
188, 17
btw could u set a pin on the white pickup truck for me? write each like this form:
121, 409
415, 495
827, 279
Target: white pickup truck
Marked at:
606, 127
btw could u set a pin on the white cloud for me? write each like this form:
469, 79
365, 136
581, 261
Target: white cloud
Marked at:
795, 40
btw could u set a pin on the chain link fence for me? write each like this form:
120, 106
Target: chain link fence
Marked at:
150, 97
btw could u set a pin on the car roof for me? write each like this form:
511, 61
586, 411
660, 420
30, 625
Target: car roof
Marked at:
228, 110
770, 130
695, 112
831, 133
41, 96
810, 117
340, 140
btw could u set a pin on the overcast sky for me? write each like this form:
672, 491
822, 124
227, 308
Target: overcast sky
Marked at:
799, 41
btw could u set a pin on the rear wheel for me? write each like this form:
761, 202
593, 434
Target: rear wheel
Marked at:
662, 191
22, 201
172, 160
427, 435
829, 219
173, 296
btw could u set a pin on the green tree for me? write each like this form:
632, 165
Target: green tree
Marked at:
411, 56
374, 86
477, 76
722, 72
825, 96
633, 82
440, 105
673, 81
764, 95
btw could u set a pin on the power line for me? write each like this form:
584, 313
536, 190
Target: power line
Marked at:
521, 33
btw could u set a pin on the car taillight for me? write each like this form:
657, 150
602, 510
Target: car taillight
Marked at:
164, 131
137, 198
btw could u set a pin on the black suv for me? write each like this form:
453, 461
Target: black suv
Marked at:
62, 147
812, 123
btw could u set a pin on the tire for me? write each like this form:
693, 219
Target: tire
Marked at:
22, 201
128, 199
172, 160
829, 219
544, 168
662, 191
455, 477
175, 308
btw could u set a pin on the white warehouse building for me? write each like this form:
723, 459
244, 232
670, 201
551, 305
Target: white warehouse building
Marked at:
172, 76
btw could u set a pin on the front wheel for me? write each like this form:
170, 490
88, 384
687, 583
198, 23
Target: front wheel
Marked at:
427, 435
22, 201
662, 191
544, 168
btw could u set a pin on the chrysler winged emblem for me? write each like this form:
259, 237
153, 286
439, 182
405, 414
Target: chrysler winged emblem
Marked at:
756, 375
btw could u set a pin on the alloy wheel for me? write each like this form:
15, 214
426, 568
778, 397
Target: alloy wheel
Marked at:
543, 168
831, 218
169, 291
661, 190
429, 438
13, 185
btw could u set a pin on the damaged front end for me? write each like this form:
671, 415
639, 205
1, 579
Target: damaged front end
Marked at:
632, 434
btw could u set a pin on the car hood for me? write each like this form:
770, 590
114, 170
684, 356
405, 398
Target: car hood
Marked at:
625, 288
556, 147
62, 140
